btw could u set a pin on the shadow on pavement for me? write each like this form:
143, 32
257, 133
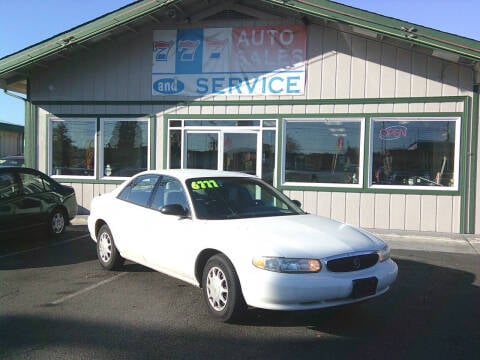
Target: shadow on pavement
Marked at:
27, 251
431, 312
37, 249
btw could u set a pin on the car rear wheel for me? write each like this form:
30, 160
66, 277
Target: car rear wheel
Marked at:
221, 289
57, 222
107, 253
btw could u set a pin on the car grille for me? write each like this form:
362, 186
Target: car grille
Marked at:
352, 263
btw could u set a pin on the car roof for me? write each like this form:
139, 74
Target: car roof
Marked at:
184, 174
16, 168
12, 157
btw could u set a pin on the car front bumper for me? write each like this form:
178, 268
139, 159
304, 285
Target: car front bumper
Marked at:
277, 291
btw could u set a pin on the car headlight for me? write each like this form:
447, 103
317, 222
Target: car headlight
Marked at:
287, 265
384, 254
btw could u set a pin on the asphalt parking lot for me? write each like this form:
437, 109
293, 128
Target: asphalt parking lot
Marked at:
56, 302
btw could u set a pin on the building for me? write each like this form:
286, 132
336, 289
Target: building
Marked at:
363, 118
11, 139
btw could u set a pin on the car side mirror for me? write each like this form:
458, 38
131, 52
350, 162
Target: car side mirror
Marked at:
174, 209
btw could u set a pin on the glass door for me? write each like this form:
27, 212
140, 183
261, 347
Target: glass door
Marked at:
240, 152
224, 145
201, 150
219, 150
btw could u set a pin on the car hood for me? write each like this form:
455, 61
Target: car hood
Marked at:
301, 236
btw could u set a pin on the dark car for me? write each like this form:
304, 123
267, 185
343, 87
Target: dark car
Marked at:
30, 199
12, 160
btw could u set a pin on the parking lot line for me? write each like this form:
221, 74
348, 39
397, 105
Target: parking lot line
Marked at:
88, 288
44, 246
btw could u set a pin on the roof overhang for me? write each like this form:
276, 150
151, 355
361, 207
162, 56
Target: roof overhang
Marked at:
8, 127
15, 68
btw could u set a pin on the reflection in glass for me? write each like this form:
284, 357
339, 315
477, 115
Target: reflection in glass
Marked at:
269, 123
222, 122
175, 149
125, 147
325, 151
73, 149
412, 152
238, 198
202, 150
175, 123
268, 155
240, 152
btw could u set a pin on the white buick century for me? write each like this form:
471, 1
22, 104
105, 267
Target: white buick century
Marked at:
239, 239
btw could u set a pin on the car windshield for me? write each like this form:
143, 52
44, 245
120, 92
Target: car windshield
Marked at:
236, 198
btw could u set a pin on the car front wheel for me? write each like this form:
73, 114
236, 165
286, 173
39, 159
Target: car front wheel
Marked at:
57, 222
107, 253
221, 289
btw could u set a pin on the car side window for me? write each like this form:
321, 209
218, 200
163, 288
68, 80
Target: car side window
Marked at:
169, 191
8, 186
139, 190
48, 184
32, 184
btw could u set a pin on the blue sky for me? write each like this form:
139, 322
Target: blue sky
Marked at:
37, 20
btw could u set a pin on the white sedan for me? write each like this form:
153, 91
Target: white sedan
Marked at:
239, 239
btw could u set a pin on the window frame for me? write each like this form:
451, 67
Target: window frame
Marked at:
197, 124
426, 189
101, 144
50, 171
361, 163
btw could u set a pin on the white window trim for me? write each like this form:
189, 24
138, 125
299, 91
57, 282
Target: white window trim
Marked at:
101, 146
361, 161
456, 177
220, 130
51, 120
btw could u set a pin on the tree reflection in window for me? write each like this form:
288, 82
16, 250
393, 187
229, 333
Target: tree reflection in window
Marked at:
125, 151
323, 151
73, 149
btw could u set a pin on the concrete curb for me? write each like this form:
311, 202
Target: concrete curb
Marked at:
404, 240
450, 243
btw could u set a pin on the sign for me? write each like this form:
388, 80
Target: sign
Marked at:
203, 184
241, 61
393, 132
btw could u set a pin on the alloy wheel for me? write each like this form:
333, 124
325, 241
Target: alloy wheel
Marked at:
58, 223
105, 247
217, 288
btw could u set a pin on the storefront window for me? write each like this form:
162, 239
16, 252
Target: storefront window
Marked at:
73, 147
414, 152
323, 151
125, 147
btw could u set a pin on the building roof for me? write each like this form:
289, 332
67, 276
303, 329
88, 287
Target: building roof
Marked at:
9, 127
14, 68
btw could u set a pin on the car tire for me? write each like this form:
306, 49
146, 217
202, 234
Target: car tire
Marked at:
221, 289
57, 222
107, 252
